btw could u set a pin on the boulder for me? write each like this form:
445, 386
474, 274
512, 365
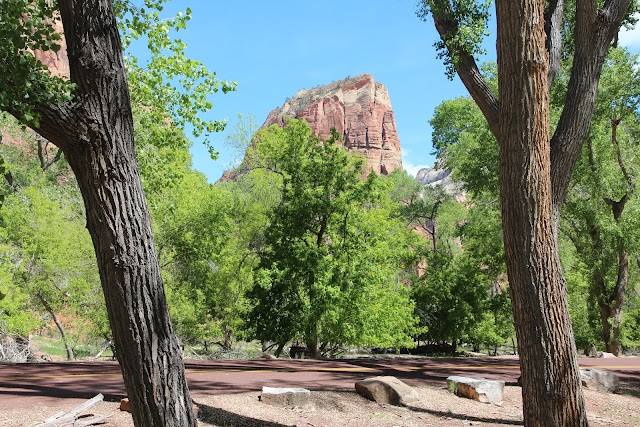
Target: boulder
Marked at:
386, 390
480, 389
266, 356
595, 379
285, 397
607, 355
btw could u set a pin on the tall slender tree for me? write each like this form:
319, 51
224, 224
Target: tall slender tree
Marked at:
534, 168
92, 124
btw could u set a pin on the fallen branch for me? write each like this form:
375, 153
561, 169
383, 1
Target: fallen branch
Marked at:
106, 346
62, 419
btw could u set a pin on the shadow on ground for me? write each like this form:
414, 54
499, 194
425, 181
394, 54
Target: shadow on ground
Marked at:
465, 417
221, 417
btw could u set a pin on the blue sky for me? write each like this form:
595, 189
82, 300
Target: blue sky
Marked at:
274, 49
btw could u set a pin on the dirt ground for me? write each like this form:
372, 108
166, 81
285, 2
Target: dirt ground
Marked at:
437, 407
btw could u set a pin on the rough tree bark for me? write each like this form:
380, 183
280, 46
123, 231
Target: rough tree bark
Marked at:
534, 177
95, 133
550, 372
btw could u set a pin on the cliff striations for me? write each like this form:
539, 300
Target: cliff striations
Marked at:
359, 109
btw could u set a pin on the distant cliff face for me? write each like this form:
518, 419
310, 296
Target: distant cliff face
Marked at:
433, 177
57, 62
359, 109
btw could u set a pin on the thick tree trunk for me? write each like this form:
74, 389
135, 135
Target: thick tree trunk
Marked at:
120, 227
550, 375
95, 132
313, 346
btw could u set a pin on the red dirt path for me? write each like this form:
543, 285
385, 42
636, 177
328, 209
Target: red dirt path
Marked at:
28, 384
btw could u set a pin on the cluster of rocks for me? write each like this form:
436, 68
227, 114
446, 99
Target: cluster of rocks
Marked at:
390, 390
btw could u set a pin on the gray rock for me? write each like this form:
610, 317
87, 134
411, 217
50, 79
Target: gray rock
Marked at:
266, 356
441, 178
480, 389
386, 390
595, 379
432, 176
285, 397
607, 355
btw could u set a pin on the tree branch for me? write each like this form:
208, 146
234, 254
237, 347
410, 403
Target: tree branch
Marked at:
621, 163
466, 66
45, 161
593, 34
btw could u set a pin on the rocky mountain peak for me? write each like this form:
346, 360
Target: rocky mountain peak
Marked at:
359, 109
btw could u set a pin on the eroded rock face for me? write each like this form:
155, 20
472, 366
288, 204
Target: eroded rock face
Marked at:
359, 109
57, 62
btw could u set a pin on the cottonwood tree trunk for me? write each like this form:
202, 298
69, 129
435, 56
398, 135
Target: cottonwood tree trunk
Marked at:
548, 363
535, 173
95, 132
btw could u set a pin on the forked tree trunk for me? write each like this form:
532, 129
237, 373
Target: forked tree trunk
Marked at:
548, 360
95, 132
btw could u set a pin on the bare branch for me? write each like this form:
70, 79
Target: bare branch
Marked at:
621, 163
43, 153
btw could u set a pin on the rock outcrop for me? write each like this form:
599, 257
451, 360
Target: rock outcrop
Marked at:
433, 177
359, 109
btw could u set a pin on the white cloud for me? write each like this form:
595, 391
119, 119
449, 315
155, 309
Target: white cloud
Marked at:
631, 38
411, 168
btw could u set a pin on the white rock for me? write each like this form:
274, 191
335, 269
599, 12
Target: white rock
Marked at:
596, 379
285, 397
480, 389
607, 355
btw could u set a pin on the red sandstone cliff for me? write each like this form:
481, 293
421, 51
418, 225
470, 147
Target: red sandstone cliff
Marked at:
359, 109
57, 62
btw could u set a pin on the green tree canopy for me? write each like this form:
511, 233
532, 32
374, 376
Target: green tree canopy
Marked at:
329, 270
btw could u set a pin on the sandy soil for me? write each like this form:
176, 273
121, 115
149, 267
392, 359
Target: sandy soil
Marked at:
437, 407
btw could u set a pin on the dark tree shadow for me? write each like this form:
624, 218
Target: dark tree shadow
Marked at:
465, 417
630, 386
221, 417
